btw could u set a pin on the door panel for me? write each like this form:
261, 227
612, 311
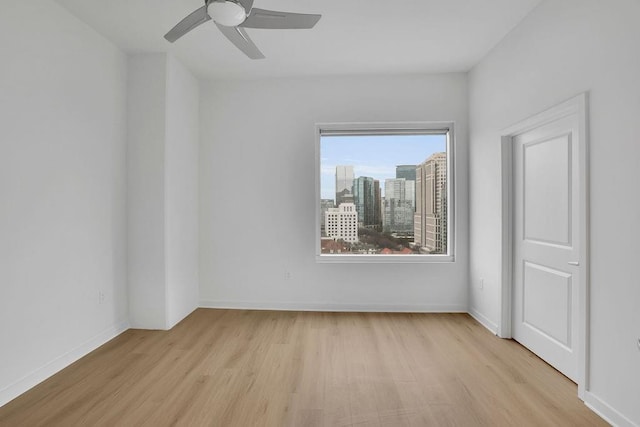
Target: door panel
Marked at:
546, 221
547, 185
547, 302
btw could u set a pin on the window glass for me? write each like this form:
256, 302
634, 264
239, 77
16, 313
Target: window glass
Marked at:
384, 192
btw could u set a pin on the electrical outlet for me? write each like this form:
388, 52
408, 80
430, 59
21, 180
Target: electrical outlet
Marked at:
287, 275
481, 283
100, 297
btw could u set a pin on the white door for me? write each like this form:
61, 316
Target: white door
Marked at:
546, 244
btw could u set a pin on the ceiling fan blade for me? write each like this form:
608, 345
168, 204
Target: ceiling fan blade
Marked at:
239, 37
247, 4
199, 16
261, 18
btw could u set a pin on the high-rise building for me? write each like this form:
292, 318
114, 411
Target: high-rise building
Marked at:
407, 172
430, 220
364, 197
325, 205
377, 206
344, 184
341, 223
399, 205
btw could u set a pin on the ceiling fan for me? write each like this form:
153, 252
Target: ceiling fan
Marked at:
233, 16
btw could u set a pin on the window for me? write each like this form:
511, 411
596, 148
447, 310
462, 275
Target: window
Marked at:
384, 192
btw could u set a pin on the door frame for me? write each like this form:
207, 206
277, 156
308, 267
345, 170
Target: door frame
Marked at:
578, 106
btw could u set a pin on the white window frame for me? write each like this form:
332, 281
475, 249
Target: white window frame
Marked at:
394, 128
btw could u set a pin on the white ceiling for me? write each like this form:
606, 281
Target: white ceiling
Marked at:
353, 36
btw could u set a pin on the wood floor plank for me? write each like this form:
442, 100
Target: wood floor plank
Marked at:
269, 368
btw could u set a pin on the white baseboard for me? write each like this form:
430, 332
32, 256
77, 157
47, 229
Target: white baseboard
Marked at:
180, 317
484, 320
32, 379
333, 306
606, 412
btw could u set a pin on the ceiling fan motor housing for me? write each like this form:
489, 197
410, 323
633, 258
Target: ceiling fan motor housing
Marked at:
227, 13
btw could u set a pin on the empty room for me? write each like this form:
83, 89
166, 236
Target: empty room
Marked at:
333, 213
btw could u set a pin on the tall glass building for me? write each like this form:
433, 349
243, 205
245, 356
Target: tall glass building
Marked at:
407, 172
344, 184
399, 205
364, 197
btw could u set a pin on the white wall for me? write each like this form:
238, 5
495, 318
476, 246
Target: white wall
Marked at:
563, 48
181, 192
62, 192
163, 191
257, 193
146, 190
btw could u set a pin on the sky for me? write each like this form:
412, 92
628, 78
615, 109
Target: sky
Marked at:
375, 156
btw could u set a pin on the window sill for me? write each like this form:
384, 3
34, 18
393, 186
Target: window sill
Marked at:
384, 259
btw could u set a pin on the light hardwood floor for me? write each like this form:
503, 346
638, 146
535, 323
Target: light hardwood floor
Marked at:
252, 368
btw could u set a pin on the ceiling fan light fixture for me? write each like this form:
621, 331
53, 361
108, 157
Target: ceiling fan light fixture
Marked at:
227, 13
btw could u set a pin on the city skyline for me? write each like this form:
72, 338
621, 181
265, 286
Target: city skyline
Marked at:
375, 156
